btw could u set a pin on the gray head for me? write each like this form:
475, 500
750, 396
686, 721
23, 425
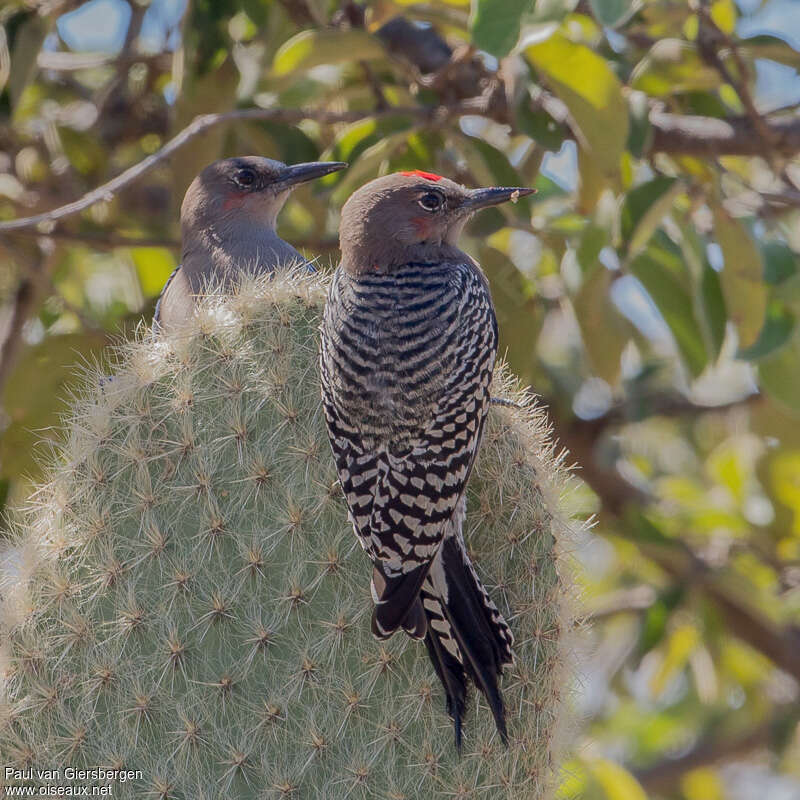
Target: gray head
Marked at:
249, 189
410, 216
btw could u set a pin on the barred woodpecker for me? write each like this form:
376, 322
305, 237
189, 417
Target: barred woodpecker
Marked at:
228, 225
408, 345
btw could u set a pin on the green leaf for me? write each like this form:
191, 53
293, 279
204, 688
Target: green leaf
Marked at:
611, 12
742, 277
368, 165
675, 304
27, 42
35, 395
604, 330
491, 167
780, 262
657, 617
540, 126
593, 239
519, 316
778, 327
592, 93
771, 47
714, 307
779, 374
354, 139
495, 24
644, 208
641, 131
313, 48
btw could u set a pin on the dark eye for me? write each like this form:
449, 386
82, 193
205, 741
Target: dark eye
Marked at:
245, 177
431, 201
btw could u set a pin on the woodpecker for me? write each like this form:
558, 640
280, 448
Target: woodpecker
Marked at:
228, 221
408, 345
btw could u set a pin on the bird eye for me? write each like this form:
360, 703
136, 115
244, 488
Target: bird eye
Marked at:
245, 177
431, 201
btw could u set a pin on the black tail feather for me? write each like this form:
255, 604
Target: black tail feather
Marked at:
397, 603
451, 674
468, 635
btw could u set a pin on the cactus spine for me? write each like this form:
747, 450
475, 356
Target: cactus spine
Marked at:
191, 601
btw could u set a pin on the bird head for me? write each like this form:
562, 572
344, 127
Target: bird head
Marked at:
410, 216
251, 188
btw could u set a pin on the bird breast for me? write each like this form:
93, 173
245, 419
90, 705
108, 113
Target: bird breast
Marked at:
393, 343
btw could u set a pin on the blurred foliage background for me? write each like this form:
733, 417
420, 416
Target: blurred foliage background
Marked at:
649, 292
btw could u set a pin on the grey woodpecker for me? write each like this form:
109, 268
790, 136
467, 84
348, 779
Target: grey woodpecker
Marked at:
228, 221
408, 345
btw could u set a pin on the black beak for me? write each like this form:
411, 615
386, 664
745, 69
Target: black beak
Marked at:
300, 173
482, 198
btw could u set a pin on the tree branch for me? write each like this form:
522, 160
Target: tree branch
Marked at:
781, 644
26, 300
711, 137
664, 777
205, 122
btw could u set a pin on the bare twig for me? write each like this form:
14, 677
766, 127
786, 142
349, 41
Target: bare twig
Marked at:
711, 35
205, 122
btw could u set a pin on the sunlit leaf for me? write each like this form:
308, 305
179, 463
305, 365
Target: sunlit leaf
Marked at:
728, 465
153, 266
673, 66
680, 644
592, 93
724, 14
616, 781
315, 47
741, 277
354, 139
778, 326
703, 784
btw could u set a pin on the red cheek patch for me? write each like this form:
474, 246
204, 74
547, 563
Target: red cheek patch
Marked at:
421, 226
233, 200
429, 176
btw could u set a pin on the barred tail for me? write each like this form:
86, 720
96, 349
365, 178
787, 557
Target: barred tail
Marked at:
466, 634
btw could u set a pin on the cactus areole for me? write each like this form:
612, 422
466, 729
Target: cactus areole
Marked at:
187, 613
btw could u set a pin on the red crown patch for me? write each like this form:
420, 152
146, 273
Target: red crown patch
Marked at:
429, 176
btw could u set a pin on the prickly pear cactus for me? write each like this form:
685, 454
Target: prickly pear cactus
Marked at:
191, 602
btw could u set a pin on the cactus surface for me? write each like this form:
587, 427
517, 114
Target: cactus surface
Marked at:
191, 601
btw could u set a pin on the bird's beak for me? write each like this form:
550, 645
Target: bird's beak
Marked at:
482, 198
300, 173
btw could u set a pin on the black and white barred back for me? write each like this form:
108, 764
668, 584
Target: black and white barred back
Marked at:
406, 366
